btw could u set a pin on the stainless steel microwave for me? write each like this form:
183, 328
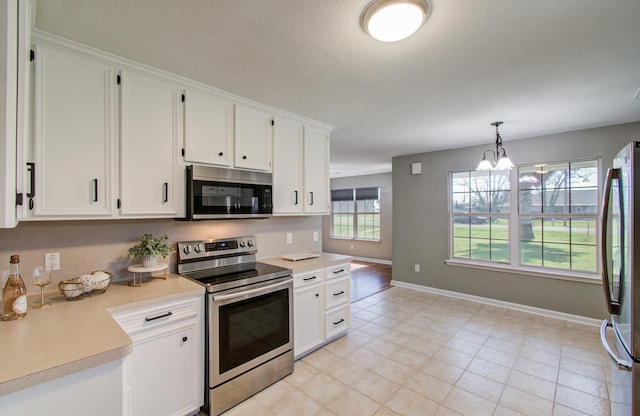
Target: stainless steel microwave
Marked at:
219, 193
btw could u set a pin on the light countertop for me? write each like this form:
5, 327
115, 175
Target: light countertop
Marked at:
301, 266
71, 336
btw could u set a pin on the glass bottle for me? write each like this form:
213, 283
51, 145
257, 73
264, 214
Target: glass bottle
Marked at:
14, 294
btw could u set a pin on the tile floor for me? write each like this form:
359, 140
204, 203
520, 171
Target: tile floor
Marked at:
414, 353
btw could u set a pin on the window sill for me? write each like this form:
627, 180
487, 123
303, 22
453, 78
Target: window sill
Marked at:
529, 271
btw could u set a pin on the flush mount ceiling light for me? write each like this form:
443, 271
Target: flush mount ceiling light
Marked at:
393, 20
500, 159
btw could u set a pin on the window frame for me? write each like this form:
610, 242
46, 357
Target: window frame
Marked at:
356, 213
515, 264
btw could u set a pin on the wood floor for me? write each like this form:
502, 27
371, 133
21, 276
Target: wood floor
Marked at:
368, 279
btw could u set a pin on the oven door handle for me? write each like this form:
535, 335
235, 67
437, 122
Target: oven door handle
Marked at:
251, 292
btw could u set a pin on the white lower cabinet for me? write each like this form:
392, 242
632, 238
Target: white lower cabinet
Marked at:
96, 391
308, 312
321, 307
164, 375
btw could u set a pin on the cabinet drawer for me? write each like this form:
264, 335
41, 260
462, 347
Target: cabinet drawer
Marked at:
337, 321
341, 270
158, 315
338, 292
309, 278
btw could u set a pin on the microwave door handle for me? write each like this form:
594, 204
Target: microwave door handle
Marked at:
622, 364
612, 306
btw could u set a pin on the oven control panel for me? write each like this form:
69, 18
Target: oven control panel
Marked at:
206, 249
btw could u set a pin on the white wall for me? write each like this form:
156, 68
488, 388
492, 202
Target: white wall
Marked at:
421, 221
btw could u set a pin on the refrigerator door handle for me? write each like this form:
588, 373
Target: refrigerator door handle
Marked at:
613, 305
622, 364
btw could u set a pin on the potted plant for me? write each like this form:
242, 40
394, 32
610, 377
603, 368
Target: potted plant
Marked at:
149, 248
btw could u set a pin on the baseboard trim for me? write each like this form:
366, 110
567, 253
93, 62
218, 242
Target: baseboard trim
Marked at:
494, 302
369, 260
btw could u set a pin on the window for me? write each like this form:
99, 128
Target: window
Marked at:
480, 215
558, 207
553, 227
355, 213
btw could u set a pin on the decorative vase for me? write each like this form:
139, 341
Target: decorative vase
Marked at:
150, 260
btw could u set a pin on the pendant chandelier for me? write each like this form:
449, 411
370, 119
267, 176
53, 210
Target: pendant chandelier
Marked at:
499, 159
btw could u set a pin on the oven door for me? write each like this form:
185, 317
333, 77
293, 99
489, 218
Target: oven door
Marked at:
249, 326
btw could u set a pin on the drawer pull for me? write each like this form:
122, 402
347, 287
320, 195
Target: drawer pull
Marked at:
338, 271
341, 320
306, 279
153, 318
339, 293
185, 339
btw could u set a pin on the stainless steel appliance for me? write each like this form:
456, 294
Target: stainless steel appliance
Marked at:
249, 325
621, 278
218, 193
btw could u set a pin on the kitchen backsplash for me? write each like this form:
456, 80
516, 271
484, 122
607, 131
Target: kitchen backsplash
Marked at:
85, 246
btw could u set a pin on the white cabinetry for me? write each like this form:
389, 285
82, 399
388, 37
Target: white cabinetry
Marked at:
321, 307
301, 168
308, 315
74, 134
15, 28
288, 167
96, 391
338, 300
149, 124
253, 138
208, 129
316, 171
106, 137
164, 375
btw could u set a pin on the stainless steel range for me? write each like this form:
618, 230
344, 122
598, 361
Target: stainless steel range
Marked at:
249, 325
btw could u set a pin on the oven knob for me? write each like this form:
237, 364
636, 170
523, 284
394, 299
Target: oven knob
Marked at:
198, 248
242, 243
250, 242
187, 249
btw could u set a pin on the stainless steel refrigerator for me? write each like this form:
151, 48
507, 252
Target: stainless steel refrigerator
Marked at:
621, 279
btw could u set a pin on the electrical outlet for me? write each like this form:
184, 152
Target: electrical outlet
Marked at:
289, 238
315, 236
52, 261
416, 268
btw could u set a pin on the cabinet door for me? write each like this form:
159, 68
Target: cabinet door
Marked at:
161, 375
308, 319
287, 167
149, 125
316, 171
73, 134
253, 138
208, 129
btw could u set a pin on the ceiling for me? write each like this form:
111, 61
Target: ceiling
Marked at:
541, 67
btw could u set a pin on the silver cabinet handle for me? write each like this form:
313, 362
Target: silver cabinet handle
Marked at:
622, 364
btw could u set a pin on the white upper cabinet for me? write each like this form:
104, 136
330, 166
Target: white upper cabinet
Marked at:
301, 168
316, 170
74, 133
253, 138
149, 125
208, 129
287, 166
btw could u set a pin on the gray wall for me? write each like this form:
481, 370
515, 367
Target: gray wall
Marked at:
421, 221
85, 246
381, 250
